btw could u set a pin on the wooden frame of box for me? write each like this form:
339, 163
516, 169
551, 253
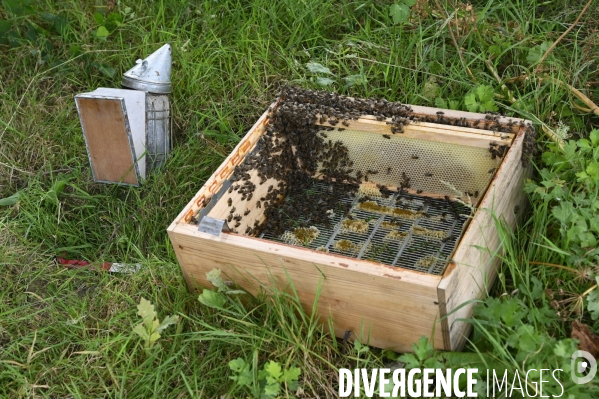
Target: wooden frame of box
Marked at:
384, 306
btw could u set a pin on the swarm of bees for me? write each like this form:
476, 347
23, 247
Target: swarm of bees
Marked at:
294, 149
497, 150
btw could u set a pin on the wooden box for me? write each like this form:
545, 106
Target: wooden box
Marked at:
382, 305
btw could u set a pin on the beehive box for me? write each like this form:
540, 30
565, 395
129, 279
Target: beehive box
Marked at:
389, 209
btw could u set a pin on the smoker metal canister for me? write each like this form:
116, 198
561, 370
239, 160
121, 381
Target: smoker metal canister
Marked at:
158, 130
152, 75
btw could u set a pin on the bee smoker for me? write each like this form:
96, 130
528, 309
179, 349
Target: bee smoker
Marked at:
153, 76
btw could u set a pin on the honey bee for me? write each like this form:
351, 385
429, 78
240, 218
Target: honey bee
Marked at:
230, 217
389, 170
387, 136
492, 170
476, 194
345, 123
428, 174
247, 212
232, 210
230, 189
418, 191
415, 157
258, 204
229, 201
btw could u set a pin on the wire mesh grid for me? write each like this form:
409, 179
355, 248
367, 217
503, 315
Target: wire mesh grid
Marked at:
422, 241
428, 164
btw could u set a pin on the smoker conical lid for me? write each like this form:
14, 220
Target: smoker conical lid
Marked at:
152, 74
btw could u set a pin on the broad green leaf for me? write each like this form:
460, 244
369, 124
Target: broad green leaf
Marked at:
594, 136
512, 313
115, 18
561, 349
454, 104
153, 326
315, 67
291, 374
212, 299
423, 349
593, 303
583, 143
593, 170
145, 309
169, 320
153, 338
102, 31
470, 102
436, 67
99, 18
237, 364
484, 93
399, 12
441, 103
563, 211
409, 3
389, 354
353, 80
535, 53
432, 363
272, 390
215, 279
324, 81
141, 331
274, 369
494, 49
526, 338
8, 201
242, 370
410, 360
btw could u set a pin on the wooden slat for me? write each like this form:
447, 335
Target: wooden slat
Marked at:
473, 130
474, 270
222, 209
390, 302
420, 110
428, 132
224, 171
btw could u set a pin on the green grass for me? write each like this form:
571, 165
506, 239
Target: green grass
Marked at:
67, 333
